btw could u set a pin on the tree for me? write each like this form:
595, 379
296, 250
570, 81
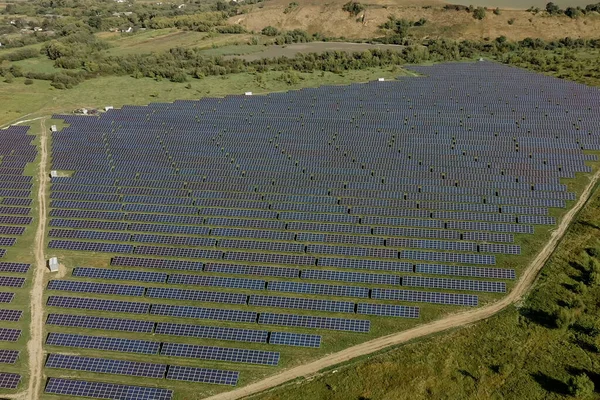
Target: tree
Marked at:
563, 318
552, 8
95, 22
572, 12
581, 386
270, 31
479, 13
353, 7
497, 11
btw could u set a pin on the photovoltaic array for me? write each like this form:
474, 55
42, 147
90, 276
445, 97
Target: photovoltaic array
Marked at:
328, 208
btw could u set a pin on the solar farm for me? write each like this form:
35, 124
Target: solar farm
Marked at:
210, 243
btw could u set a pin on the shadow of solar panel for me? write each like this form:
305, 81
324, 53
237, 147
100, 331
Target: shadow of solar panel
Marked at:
454, 284
112, 324
308, 321
196, 295
124, 275
204, 375
204, 313
98, 304
100, 390
106, 366
252, 270
9, 335
102, 343
10, 315
11, 281
9, 356
295, 339
425, 297
93, 287
156, 263
212, 332
387, 310
301, 303
217, 281
9, 381
220, 354
318, 288
465, 271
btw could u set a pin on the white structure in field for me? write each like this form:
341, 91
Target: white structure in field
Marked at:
248, 93
381, 79
108, 108
53, 263
53, 128
53, 174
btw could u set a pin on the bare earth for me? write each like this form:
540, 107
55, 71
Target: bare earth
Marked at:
34, 347
453, 321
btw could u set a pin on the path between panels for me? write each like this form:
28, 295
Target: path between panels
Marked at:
523, 285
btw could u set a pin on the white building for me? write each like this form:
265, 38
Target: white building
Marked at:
248, 93
381, 79
53, 264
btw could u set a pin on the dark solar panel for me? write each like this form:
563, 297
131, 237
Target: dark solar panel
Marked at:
106, 366
204, 375
102, 343
101, 390
220, 353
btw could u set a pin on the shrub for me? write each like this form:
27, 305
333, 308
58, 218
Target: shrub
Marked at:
353, 7
28, 82
269, 31
496, 11
552, 8
511, 21
479, 13
581, 386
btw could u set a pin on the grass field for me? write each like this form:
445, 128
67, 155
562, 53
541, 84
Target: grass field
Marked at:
514, 355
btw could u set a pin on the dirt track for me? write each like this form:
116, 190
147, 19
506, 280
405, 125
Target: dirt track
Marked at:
34, 346
453, 321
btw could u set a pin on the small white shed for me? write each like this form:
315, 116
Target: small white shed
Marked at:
108, 108
53, 174
53, 128
381, 79
248, 93
53, 264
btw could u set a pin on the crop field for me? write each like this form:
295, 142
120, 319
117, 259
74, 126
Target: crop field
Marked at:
209, 243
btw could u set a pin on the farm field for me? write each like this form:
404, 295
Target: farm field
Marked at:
303, 216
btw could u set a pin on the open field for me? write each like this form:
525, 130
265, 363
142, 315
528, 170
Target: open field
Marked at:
516, 354
329, 19
289, 356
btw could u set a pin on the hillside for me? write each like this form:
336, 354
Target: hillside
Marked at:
329, 19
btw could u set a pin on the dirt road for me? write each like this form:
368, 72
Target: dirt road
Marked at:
453, 321
34, 346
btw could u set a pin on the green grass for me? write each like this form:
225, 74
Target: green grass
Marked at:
38, 65
513, 355
17, 99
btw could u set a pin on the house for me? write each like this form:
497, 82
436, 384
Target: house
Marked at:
53, 128
53, 264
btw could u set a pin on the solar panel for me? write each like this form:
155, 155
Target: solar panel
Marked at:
203, 313
9, 380
93, 287
86, 303
308, 321
156, 263
6, 297
196, 295
10, 315
102, 343
252, 270
301, 303
101, 390
295, 339
89, 322
356, 277
106, 366
220, 354
217, 281
11, 281
212, 332
9, 356
9, 335
387, 310
318, 288
204, 375
480, 272
454, 284
425, 297
117, 274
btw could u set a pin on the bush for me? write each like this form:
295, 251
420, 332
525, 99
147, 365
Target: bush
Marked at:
28, 82
479, 13
291, 7
581, 386
9, 78
511, 21
563, 318
496, 11
552, 8
572, 12
353, 7
269, 31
